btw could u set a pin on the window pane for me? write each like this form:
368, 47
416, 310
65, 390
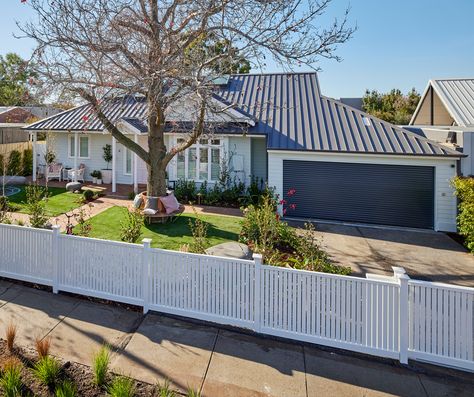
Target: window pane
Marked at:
203, 163
216, 142
203, 141
83, 146
128, 161
192, 160
181, 164
215, 164
71, 146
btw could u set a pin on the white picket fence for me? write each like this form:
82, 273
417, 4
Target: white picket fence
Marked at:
393, 317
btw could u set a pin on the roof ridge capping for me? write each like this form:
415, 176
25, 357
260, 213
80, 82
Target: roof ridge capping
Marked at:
449, 151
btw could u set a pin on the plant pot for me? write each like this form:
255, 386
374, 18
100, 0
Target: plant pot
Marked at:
106, 176
99, 181
94, 180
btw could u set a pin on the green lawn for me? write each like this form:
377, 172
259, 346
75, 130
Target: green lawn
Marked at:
59, 201
172, 236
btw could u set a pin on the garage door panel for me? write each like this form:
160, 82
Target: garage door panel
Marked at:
368, 193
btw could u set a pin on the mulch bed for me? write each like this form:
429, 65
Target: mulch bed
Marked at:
80, 375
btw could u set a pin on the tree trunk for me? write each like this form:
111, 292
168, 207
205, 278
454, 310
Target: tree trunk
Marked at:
156, 167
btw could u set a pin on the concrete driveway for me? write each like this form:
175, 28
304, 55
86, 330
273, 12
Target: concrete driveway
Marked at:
426, 255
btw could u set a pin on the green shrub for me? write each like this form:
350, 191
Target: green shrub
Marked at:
88, 195
185, 191
121, 387
100, 366
11, 379
198, 228
27, 162
36, 206
65, 389
193, 393
131, 229
14, 163
464, 190
84, 225
47, 370
3, 165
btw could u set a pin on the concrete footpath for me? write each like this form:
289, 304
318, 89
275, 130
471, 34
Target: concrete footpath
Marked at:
216, 361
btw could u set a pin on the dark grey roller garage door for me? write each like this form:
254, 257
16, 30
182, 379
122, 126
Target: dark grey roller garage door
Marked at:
396, 195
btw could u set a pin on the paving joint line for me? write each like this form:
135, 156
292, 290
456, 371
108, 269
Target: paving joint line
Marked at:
305, 371
209, 362
122, 345
60, 321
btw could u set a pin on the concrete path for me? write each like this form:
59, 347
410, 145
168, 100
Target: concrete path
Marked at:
219, 362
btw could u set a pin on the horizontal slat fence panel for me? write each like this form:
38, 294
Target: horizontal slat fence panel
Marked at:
26, 254
201, 286
385, 316
340, 309
441, 323
101, 268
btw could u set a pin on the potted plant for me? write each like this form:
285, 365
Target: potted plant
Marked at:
99, 177
94, 176
107, 156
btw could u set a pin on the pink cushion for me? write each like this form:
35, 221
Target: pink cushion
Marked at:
170, 203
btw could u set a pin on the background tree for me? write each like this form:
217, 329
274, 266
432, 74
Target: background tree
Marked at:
102, 49
393, 107
16, 78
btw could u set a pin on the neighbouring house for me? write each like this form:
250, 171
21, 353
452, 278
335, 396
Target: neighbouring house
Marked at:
341, 163
445, 114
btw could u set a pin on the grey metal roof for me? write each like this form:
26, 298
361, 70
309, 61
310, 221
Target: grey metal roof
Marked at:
82, 118
288, 108
291, 111
457, 95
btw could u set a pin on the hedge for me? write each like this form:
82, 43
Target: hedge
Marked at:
464, 190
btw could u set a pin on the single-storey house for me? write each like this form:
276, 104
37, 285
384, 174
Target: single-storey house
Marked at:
445, 114
341, 163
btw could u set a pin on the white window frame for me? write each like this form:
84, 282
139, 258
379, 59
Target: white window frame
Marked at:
79, 143
197, 146
125, 150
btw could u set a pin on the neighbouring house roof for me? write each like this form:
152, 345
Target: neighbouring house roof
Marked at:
287, 108
457, 96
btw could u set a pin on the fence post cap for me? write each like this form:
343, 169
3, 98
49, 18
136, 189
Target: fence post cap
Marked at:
257, 256
146, 241
56, 228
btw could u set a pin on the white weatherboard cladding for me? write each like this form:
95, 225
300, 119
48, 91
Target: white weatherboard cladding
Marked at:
240, 146
445, 170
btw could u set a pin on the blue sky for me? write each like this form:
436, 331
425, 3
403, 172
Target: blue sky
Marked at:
399, 43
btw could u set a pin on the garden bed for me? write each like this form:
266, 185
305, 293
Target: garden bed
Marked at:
81, 376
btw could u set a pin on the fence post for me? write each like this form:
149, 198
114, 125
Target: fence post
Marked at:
55, 259
146, 273
257, 258
400, 274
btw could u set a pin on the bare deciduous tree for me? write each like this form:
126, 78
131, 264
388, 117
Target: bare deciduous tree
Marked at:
154, 48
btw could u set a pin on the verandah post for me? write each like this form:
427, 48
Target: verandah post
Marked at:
400, 274
146, 265
55, 256
257, 304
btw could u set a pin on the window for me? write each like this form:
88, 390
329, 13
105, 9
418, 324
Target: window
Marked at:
127, 162
201, 162
83, 151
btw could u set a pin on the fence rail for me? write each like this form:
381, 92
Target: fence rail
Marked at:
393, 317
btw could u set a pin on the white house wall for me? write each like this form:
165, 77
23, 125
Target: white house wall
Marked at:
467, 163
240, 146
445, 170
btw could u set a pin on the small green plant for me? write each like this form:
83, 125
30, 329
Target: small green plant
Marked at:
65, 389
36, 205
193, 393
4, 208
14, 163
164, 390
11, 379
131, 229
198, 228
121, 387
100, 366
47, 370
107, 155
88, 195
84, 226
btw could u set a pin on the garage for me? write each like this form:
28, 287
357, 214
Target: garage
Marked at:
385, 194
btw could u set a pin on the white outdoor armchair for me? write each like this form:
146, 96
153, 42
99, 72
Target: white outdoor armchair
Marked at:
54, 171
77, 175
